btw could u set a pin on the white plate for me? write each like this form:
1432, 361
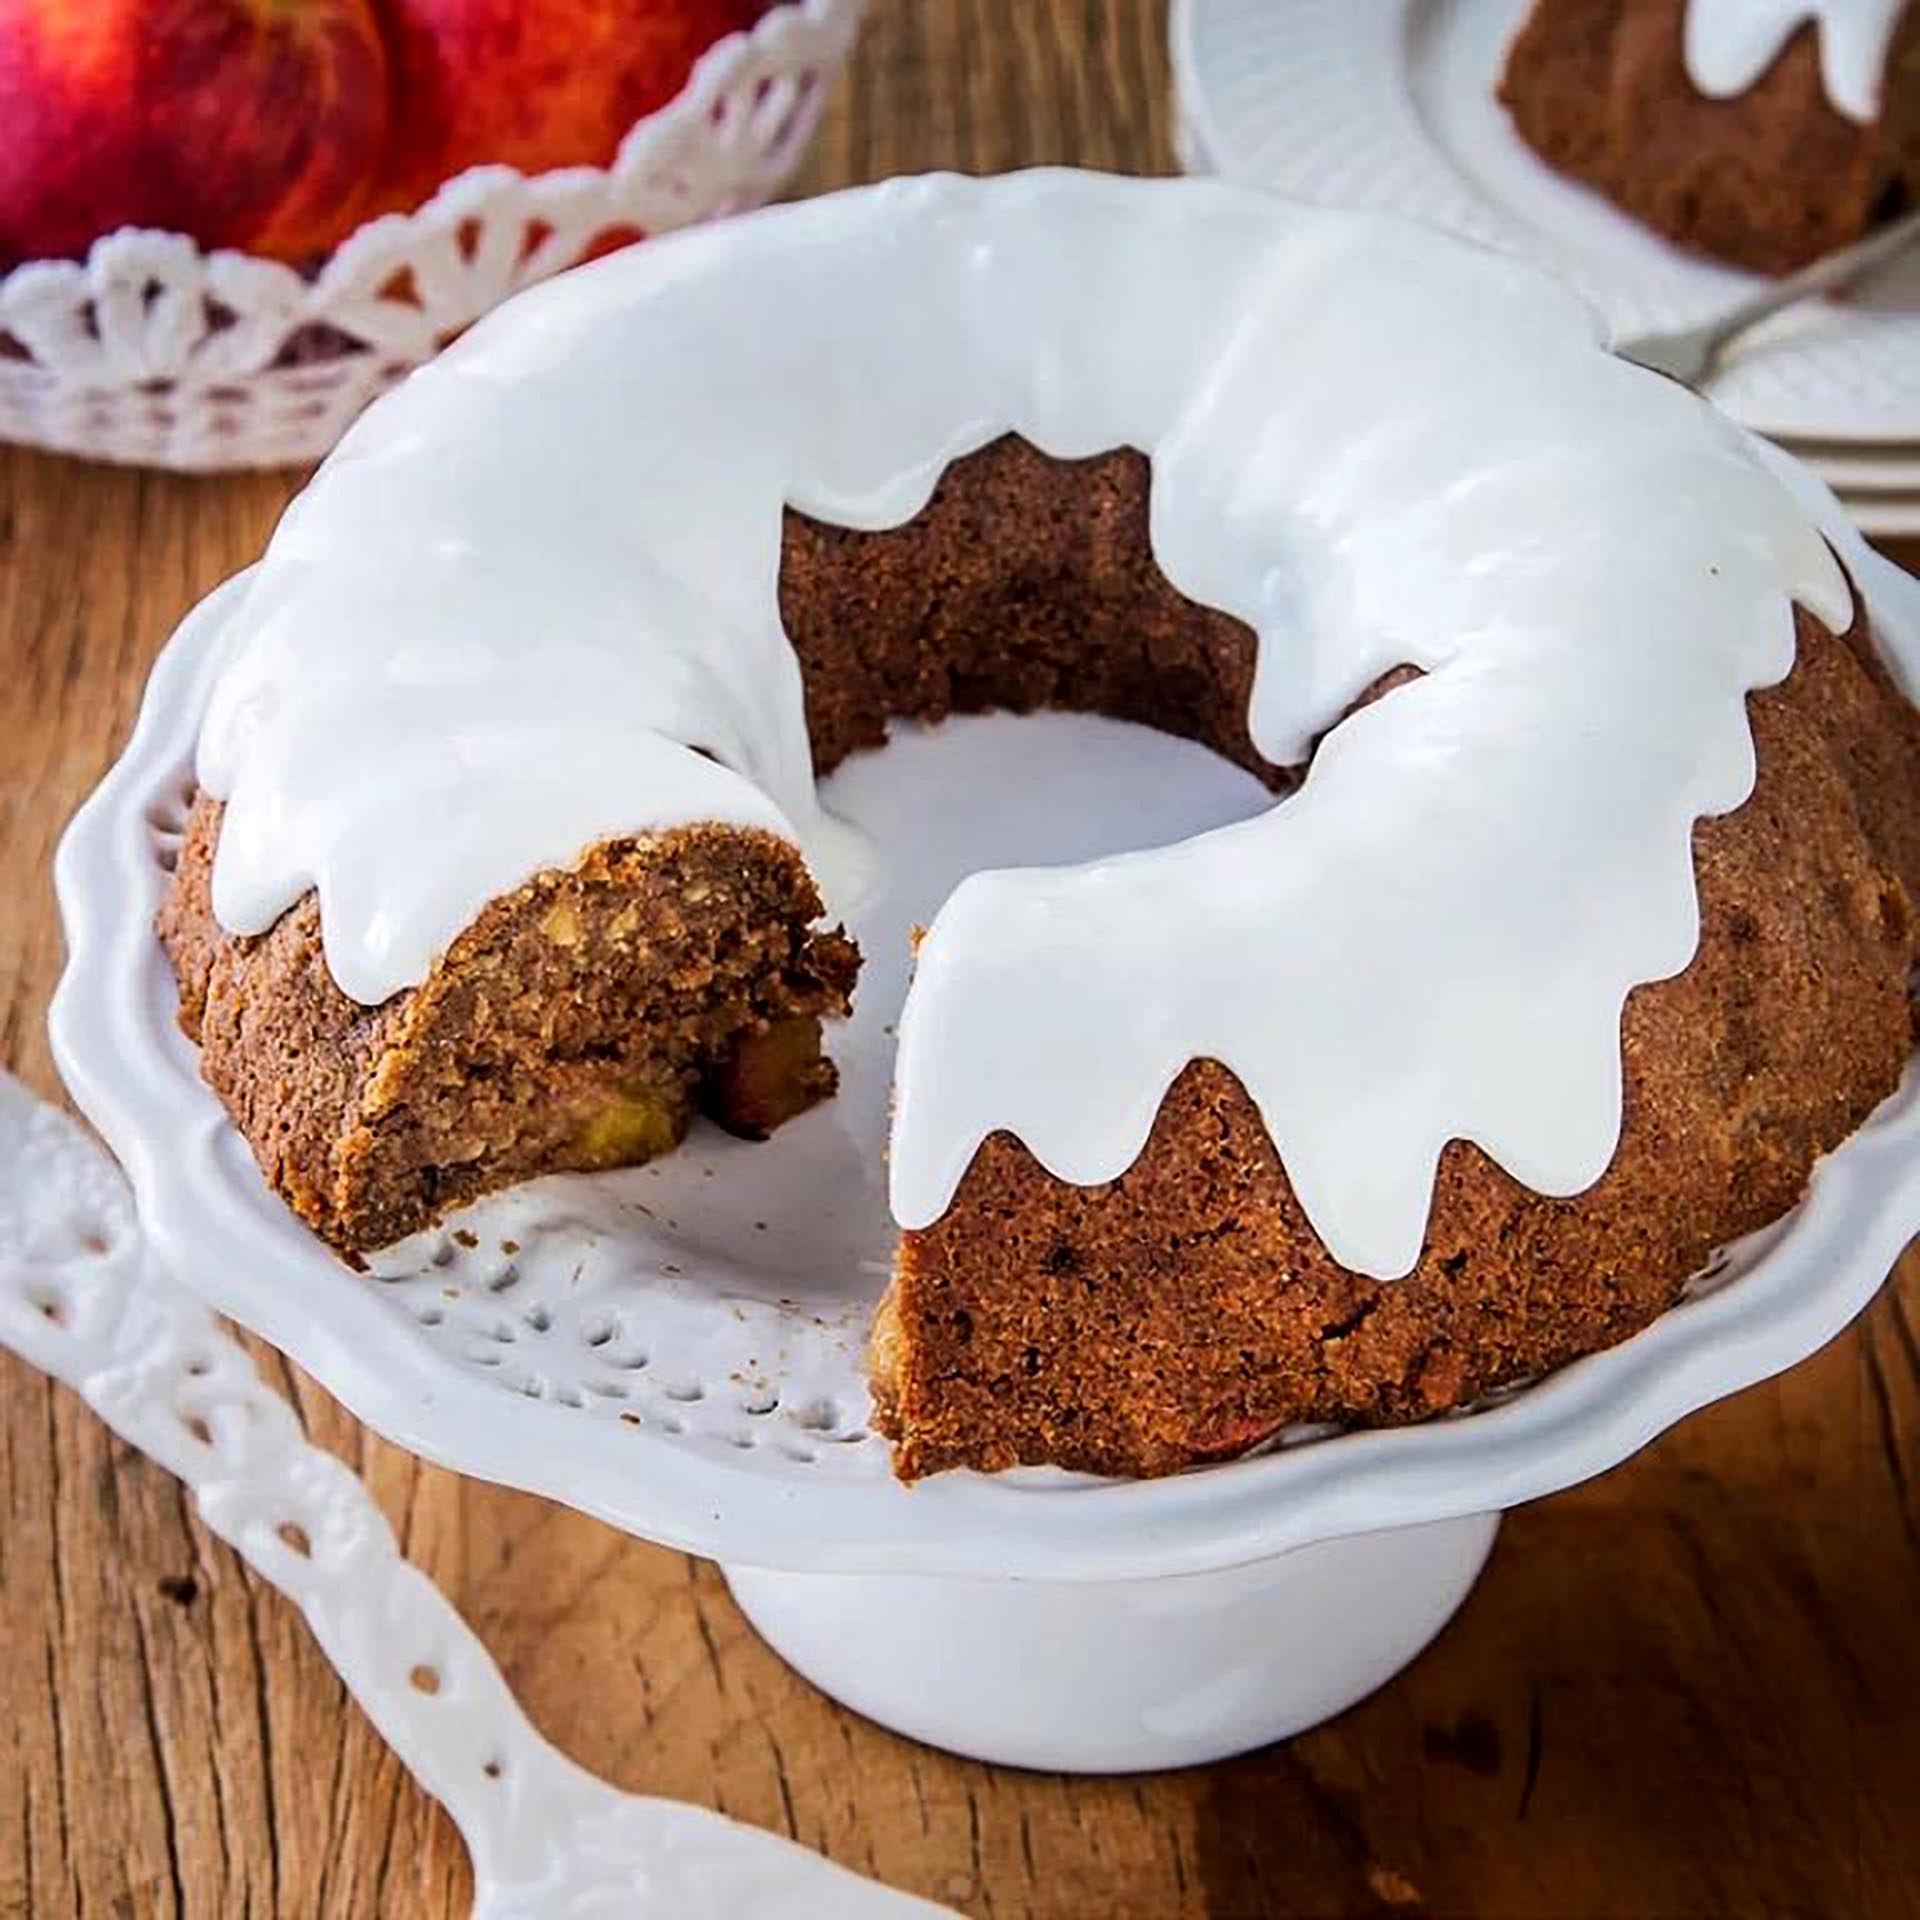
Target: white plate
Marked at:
1880, 491
676, 1348
1847, 468
1389, 104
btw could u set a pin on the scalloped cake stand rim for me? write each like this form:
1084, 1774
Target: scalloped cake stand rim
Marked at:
133, 1076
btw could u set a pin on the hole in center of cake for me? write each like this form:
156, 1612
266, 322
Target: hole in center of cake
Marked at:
1006, 681
1026, 583
799, 1221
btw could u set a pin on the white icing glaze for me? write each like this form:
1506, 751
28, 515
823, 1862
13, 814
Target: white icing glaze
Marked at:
1731, 43
546, 568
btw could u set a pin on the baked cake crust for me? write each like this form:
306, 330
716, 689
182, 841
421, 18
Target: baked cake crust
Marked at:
1770, 180
1185, 1310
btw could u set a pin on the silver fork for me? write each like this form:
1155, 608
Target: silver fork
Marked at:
1692, 355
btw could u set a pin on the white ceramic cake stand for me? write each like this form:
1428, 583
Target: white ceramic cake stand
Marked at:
677, 1348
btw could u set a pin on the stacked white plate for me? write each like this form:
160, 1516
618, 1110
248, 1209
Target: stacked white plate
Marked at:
1390, 104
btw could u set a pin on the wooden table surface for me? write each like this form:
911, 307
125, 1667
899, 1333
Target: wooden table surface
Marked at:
1691, 1688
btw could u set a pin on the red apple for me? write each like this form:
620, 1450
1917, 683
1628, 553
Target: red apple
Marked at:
257, 124
533, 83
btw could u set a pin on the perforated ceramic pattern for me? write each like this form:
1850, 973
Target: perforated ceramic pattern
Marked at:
155, 352
568, 1313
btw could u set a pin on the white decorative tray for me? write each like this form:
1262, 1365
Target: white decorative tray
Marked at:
1389, 104
677, 1348
82, 1299
155, 352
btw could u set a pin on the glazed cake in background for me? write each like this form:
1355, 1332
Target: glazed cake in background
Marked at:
1606, 864
1762, 132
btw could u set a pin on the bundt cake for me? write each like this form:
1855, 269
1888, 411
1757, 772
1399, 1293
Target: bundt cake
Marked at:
1579, 928
1763, 132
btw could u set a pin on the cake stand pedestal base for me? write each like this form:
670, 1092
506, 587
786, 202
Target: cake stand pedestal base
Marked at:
1122, 1676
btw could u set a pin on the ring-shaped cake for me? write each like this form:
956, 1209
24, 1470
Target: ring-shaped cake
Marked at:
1581, 927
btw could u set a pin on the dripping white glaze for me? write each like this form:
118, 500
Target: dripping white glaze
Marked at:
532, 581
1731, 43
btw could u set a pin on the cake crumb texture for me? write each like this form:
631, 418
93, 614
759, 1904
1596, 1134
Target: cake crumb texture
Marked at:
578, 1024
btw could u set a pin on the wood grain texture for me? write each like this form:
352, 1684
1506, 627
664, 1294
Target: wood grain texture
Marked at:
1687, 1690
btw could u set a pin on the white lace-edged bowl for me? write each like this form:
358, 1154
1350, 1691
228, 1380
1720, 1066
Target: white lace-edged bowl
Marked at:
153, 352
677, 1349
